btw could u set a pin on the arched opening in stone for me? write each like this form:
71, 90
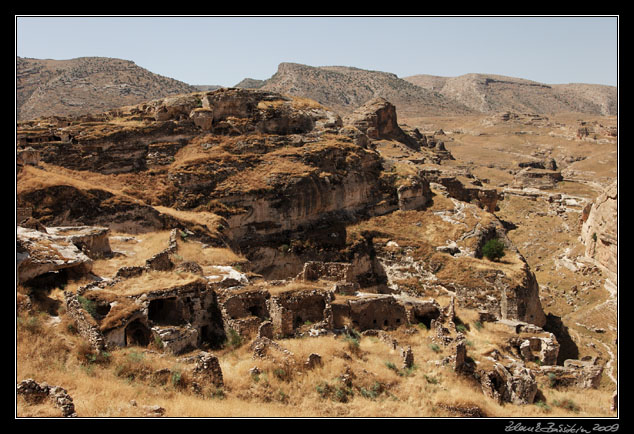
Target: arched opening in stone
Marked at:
426, 318
137, 333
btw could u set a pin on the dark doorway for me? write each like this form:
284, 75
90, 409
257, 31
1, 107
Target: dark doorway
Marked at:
137, 333
165, 311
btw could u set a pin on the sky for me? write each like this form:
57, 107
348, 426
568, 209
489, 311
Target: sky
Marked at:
222, 50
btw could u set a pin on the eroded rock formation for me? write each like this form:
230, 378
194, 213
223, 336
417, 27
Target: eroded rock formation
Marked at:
600, 227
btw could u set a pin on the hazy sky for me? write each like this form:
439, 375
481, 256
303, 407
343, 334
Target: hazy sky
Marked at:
224, 50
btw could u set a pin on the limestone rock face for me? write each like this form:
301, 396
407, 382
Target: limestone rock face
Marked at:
599, 229
514, 383
38, 253
377, 119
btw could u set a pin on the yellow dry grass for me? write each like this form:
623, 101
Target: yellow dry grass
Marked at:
53, 353
133, 251
207, 256
154, 281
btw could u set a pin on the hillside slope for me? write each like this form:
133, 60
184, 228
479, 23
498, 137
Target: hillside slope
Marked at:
47, 87
489, 93
345, 88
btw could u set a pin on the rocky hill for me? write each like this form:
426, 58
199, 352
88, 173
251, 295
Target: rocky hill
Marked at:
96, 84
343, 89
252, 253
495, 93
86, 85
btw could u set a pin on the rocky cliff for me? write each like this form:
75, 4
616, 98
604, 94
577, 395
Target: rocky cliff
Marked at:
599, 231
280, 179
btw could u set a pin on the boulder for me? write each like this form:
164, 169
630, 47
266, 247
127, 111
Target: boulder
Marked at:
514, 384
377, 119
38, 253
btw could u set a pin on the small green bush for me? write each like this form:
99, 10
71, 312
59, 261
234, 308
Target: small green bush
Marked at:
435, 348
234, 340
543, 406
567, 404
177, 379
89, 305
493, 249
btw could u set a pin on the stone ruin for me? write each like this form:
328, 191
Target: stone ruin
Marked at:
35, 393
186, 316
61, 249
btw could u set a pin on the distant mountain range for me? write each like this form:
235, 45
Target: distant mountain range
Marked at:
489, 93
94, 84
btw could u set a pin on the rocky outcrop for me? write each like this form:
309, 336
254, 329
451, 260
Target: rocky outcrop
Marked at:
414, 194
91, 240
66, 205
28, 156
377, 119
461, 185
599, 230
520, 298
530, 177
583, 374
39, 253
512, 383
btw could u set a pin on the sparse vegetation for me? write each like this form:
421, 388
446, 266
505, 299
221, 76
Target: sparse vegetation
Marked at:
493, 249
195, 189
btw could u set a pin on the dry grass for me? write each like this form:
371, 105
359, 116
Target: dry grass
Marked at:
133, 251
104, 386
207, 256
154, 281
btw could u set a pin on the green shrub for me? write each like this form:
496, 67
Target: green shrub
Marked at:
543, 405
567, 404
493, 249
89, 305
234, 340
177, 379
435, 348
430, 380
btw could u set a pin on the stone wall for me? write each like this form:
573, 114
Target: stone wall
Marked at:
334, 271
35, 392
377, 313
290, 310
85, 323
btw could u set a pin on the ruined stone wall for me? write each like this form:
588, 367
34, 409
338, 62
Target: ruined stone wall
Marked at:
35, 392
289, 311
333, 271
377, 313
84, 322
